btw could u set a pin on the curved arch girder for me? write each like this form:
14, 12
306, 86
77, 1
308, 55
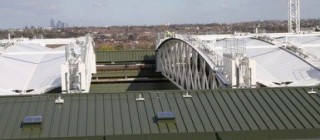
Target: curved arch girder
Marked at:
183, 65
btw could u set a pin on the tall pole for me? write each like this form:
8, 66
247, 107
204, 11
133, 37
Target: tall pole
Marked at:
294, 16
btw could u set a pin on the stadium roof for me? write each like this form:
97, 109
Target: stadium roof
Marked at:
25, 67
28, 66
275, 65
209, 114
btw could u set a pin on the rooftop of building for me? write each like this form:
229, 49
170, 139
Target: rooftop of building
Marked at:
215, 114
279, 58
111, 111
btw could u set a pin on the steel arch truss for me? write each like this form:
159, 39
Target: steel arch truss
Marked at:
184, 66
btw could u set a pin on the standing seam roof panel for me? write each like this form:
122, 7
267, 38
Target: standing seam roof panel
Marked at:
99, 113
157, 108
210, 113
82, 119
66, 110
237, 114
306, 105
41, 109
114, 115
12, 120
279, 114
116, 112
91, 120
202, 113
166, 107
74, 117
145, 110
108, 114
291, 117
218, 111
251, 108
125, 114
55, 126
26, 103
316, 97
32, 110
303, 112
265, 122
189, 103
227, 112
48, 114
134, 116
310, 100
184, 113
246, 111
181, 127
271, 114
5, 115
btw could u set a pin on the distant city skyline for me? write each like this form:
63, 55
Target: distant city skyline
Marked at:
58, 24
21, 13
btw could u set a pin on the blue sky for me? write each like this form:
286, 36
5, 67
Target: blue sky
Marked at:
20, 13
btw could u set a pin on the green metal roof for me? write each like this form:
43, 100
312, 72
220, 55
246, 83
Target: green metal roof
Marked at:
211, 112
125, 56
126, 87
128, 73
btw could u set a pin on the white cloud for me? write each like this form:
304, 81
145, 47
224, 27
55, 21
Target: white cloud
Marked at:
98, 3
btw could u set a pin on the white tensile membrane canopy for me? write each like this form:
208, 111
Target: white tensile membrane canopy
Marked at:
276, 67
30, 68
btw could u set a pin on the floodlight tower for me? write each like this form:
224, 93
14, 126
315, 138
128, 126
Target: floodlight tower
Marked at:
294, 16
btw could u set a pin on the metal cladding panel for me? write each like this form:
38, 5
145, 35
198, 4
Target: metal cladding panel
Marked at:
119, 115
99, 115
273, 134
147, 111
91, 116
65, 116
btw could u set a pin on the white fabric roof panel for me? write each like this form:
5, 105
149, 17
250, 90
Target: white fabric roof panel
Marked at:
275, 65
282, 65
47, 71
26, 66
315, 50
303, 40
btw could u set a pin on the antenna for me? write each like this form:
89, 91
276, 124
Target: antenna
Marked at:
293, 16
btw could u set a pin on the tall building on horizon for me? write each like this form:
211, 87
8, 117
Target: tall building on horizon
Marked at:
52, 23
58, 24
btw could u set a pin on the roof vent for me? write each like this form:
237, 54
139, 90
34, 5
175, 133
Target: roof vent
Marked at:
187, 95
312, 91
140, 98
59, 100
165, 117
